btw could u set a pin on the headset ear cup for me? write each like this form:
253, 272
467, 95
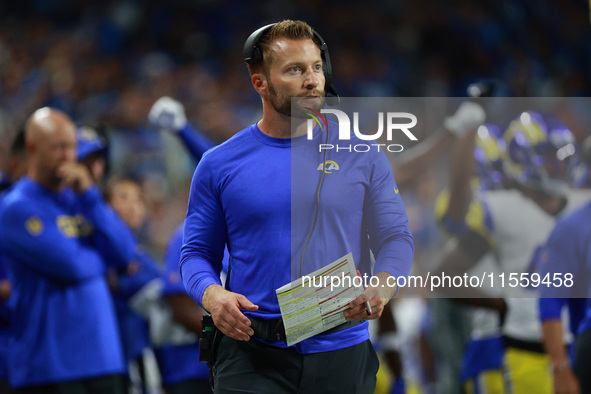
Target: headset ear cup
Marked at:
256, 56
250, 52
326, 67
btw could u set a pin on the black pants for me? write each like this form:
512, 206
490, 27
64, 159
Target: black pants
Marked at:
195, 386
111, 384
253, 367
583, 361
5, 387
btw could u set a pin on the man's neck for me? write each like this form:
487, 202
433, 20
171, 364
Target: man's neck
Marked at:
47, 185
277, 125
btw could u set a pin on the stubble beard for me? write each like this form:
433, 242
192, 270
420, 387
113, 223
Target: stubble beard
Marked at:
282, 104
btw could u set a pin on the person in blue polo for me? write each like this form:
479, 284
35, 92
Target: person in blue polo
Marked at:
57, 236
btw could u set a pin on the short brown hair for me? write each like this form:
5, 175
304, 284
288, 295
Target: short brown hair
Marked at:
294, 30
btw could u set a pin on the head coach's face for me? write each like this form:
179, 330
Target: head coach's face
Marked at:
291, 67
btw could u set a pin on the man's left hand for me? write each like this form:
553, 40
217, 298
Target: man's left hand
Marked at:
377, 296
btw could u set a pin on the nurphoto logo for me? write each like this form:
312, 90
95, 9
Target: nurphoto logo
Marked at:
393, 127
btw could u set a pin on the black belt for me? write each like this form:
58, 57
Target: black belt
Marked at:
273, 329
530, 346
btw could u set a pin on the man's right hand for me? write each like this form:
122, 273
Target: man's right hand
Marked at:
77, 176
224, 307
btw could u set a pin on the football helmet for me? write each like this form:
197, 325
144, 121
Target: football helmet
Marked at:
540, 153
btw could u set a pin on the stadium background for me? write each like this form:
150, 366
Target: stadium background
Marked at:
108, 61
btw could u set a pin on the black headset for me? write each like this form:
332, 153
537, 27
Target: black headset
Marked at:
252, 54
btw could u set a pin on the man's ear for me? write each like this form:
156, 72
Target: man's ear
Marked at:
259, 81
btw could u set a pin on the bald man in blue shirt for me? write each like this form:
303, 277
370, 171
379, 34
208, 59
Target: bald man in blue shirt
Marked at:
56, 235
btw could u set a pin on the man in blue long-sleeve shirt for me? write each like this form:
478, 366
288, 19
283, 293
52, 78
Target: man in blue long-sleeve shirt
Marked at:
56, 233
244, 194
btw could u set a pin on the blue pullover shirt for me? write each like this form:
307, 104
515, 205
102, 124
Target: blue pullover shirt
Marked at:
257, 194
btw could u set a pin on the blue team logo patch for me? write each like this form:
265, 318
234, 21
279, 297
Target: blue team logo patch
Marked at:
74, 226
34, 226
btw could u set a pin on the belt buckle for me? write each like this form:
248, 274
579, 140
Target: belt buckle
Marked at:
279, 329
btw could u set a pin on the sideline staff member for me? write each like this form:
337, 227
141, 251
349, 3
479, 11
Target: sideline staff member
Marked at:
242, 195
56, 233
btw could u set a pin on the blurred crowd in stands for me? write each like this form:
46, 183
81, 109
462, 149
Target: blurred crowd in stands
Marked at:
107, 62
